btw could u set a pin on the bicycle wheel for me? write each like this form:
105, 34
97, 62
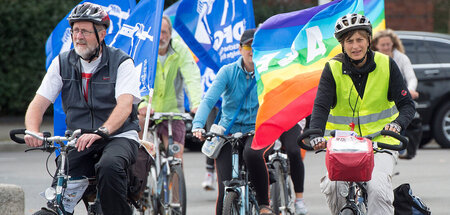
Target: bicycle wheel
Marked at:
276, 188
348, 211
150, 199
44, 212
282, 193
231, 204
174, 197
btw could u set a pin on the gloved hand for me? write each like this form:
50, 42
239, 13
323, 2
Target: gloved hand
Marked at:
318, 143
393, 126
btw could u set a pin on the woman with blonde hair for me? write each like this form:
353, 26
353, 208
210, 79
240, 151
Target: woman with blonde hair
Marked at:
387, 42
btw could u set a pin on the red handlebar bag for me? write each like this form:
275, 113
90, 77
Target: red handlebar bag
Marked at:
349, 159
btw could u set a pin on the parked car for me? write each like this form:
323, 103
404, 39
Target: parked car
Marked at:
430, 56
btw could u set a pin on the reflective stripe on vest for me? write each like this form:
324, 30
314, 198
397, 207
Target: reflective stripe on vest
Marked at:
371, 113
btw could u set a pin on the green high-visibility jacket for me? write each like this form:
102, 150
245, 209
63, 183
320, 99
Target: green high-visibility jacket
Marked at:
178, 72
372, 112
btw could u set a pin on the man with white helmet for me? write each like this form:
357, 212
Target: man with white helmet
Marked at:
367, 89
99, 91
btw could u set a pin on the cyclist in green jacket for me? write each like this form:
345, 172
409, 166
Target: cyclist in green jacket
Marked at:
176, 69
362, 90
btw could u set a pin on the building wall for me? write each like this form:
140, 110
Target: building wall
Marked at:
414, 15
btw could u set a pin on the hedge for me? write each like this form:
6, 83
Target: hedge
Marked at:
26, 26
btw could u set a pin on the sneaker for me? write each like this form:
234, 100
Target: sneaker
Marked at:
208, 183
300, 207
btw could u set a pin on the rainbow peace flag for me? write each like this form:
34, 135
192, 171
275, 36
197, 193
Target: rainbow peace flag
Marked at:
290, 51
374, 10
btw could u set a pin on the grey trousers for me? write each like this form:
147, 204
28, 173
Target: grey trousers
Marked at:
379, 189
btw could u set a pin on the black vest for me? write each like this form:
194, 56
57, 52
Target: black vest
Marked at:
101, 95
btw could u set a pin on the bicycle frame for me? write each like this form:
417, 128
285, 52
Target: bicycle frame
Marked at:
165, 160
239, 180
53, 195
287, 199
239, 183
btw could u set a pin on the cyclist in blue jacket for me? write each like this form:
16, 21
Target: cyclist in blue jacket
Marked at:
231, 83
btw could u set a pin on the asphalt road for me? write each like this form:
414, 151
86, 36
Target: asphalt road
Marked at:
428, 174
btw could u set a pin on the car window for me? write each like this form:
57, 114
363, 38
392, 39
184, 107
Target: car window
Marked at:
410, 50
441, 51
418, 51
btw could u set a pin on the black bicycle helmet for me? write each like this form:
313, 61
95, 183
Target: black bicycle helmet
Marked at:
351, 22
89, 12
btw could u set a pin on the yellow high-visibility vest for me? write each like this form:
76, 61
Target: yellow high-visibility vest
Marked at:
371, 113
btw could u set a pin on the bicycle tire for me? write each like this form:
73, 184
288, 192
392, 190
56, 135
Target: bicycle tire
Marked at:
290, 196
231, 204
150, 197
282, 193
176, 197
276, 188
348, 211
44, 212
253, 205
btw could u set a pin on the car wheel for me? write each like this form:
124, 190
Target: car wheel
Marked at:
441, 126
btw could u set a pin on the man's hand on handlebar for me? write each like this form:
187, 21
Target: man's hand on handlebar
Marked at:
33, 142
198, 132
143, 111
86, 140
194, 110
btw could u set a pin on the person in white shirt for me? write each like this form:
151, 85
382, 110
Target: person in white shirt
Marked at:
388, 43
99, 91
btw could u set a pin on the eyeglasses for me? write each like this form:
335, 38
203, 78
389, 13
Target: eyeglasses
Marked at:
85, 33
247, 47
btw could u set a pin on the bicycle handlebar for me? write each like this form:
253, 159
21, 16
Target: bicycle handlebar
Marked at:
170, 115
305, 135
403, 140
235, 136
47, 137
13, 135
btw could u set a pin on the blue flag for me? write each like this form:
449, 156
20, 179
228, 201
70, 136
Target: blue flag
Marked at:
60, 41
139, 38
212, 29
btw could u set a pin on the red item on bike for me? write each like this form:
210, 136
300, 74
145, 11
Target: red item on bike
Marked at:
349, 159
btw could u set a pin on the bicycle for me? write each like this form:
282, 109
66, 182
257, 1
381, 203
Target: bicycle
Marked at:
240, 196
282, 193
355, 191
167, 185
57, 202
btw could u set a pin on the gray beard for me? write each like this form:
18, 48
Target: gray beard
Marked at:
86, 53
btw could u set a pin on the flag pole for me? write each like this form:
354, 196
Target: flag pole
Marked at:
147, 114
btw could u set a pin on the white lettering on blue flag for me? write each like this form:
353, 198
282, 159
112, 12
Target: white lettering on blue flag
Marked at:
139, 38
60, 40
212, 29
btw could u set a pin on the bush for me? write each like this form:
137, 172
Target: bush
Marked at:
26, 26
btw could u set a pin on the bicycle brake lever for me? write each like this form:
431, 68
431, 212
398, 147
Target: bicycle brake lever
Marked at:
320, 150
383, 151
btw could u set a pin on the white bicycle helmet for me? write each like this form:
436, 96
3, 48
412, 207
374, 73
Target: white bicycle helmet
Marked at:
351, 22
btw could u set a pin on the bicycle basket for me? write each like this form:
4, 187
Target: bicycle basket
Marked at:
349, 158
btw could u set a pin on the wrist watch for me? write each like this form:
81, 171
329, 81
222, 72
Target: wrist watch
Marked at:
103, 130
